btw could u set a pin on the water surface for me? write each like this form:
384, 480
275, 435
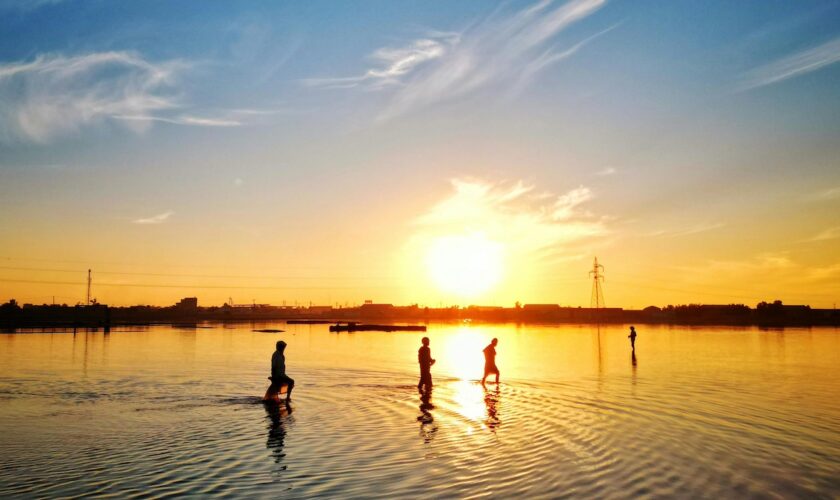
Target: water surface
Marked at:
698, 412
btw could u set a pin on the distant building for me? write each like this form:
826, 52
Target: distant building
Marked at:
319, 310
371, 310
187, 303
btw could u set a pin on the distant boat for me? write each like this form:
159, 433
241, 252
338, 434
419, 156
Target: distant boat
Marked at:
356, 327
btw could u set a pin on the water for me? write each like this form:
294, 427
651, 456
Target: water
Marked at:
701, 412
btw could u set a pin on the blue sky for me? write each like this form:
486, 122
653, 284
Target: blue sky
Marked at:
690, 134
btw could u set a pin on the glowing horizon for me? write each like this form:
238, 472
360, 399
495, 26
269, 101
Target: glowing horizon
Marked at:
440, 154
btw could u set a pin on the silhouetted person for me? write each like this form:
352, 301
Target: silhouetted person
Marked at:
278, 375
424, 357
490, 361
632, 338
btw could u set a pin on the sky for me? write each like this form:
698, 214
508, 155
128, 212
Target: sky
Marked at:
435, 153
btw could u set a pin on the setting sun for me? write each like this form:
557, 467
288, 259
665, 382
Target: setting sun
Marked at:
465, 265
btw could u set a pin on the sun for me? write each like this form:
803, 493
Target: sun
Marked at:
465, 265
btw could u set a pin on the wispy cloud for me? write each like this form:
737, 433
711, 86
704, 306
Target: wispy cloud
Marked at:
183, 120
26, 5
504, 48
531, 226
826, 194
606, 171
766, 276
831, 233
54, 95
155, 219
685, 231
793, 65
392, 63
499, 50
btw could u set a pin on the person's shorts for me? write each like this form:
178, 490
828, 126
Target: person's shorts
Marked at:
490, 368
278, 382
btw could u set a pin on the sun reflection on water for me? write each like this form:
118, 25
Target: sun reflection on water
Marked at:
462, 353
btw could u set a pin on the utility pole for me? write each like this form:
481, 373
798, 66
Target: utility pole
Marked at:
597, 271
88, 287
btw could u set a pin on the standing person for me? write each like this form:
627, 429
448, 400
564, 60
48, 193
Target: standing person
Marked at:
490, 361
278, 374
632, 338
424, 357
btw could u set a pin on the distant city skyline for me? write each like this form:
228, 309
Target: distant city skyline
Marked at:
435, 153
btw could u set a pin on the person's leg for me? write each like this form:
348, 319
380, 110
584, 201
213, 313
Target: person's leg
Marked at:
291, 385
270, 393
497, 376
486, 372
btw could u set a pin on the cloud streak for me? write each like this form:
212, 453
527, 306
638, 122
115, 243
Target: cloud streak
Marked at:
831, 233
393, 63
793, 65
183, 120
54, 95
499, 50
155, 219
698, 228
504, 48
532, 226
826, 194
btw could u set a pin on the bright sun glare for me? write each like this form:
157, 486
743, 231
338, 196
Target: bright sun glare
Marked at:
465, 265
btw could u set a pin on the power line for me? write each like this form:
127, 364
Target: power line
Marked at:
223, 287
177, 275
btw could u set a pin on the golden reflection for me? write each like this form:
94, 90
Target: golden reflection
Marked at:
462, 353
428, 428
469, 398
492, 400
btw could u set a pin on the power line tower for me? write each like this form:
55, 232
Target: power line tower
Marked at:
597, 274
88, 288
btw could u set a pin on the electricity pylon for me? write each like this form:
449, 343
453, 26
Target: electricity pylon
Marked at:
597, 271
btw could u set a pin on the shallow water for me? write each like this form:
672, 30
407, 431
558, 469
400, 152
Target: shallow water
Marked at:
699, 412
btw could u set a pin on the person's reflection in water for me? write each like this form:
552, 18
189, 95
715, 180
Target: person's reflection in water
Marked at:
491, 399
279, 416
633, 361
428, 428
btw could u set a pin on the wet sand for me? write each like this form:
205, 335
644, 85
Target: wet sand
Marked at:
699, 412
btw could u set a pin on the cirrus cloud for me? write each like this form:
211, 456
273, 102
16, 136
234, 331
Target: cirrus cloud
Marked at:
54, 95
155, 219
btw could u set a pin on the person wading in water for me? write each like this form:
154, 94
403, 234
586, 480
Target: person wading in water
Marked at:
424, 357
278, 375
490, 361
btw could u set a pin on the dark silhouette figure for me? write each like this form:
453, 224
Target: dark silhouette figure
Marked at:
278, 376
424, 357
490, 361
278, 416
632, 338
